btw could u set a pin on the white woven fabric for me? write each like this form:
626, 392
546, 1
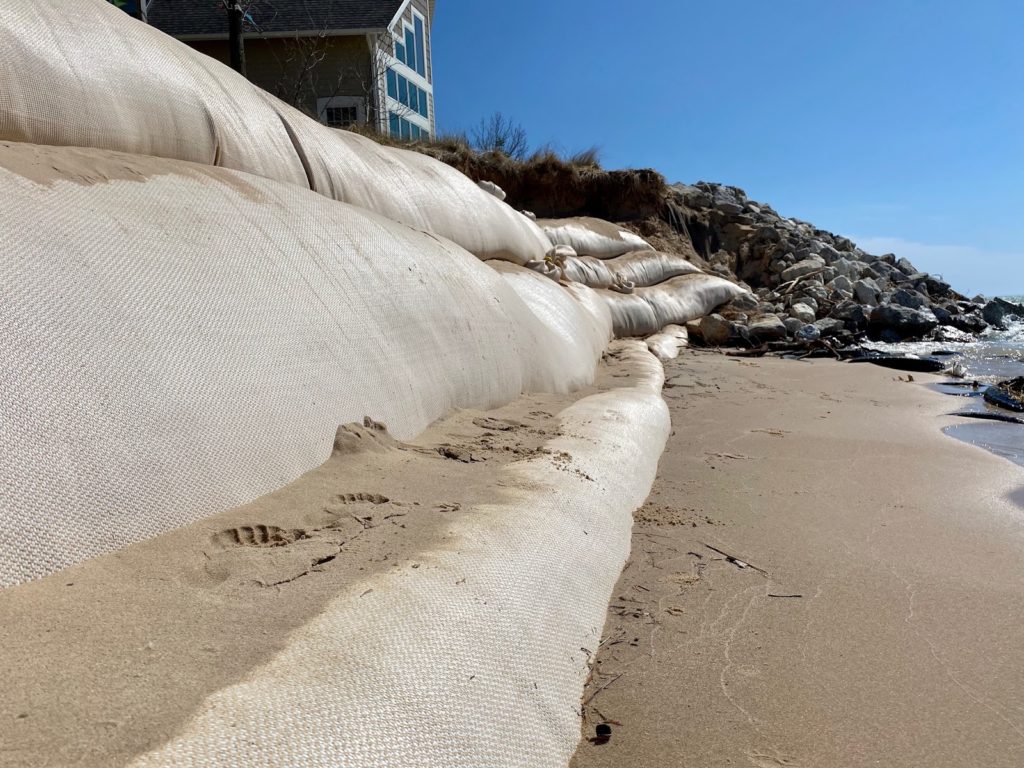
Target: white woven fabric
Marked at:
667, 343
82, 73
181, 339
477, 657
646, 311
641, 268
592, 237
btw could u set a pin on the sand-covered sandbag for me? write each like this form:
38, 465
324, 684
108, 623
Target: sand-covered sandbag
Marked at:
180, 339
641, 268
83, 73
646, 311
592, 237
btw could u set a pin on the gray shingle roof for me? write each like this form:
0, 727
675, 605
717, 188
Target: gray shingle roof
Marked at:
182, 18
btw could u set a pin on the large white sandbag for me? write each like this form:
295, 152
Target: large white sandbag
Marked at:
180, 339
476, 654
640, 268
646, 311
83, 73
592, 237
412, 188
576, 316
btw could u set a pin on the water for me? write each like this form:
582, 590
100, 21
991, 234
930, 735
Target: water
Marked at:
995, 356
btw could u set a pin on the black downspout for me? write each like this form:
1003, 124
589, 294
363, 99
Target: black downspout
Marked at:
237, 45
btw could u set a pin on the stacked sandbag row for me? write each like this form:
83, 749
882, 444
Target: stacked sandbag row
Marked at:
644, 289
81, 73
184, 339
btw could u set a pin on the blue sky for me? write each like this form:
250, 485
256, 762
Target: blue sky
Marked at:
898, 123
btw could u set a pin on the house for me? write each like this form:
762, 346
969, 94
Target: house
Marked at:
341, 61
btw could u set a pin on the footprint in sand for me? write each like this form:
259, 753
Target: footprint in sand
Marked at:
257, 536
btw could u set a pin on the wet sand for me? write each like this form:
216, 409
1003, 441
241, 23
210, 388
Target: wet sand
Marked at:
879, 620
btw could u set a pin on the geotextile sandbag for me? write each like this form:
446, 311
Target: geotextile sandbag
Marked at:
182, 339
83, 73
646, 311
592, 237
641, 268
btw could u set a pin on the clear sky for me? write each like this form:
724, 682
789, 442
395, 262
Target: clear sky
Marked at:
898, 123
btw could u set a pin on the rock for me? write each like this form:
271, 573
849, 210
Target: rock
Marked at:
829, 254
793, 325
801, 268
937, 289
943, 315
803, 313
769, 328
715, 330
893, 321
971, 322
808, 333
728, 208
852, 315
904, 266
841, 283
996, 311
948, 333
866, 291
829, 326
744, 302
808, 301
907, 297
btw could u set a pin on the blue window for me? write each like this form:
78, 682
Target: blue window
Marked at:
400, 52
414, 98
423, 104
393, 124
410, 49
425, 135
421, 54
392, 84
406, 129
403, 90
415, 131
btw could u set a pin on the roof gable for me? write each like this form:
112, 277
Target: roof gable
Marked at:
185, 18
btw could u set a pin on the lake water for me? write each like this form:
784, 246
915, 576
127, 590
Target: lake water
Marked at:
996, 356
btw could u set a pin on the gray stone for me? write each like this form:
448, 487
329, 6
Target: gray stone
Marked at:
904, 266
907, 297
996, 311
803, 313
809, 301
892, 320
828, 274
852, 314
829, 326
792, 325
728, 208
970, 322
744, 302
866, 291
829, 254
937, 289
801, 268
943, 315
841, 283
769, 328
715, 330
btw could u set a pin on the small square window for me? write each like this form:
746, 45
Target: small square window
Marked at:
400, 52
342, 117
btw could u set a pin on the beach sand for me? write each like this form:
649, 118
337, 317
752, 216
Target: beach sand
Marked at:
881, 619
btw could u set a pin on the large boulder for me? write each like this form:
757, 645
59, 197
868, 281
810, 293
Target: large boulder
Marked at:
866, 291
996, 311
803, 313
715, 330
908, 297
769, 328
892, 322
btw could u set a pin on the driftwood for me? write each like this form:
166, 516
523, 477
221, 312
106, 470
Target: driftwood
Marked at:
738, 562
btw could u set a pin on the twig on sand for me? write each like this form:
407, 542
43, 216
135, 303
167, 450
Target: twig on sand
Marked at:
771, 595
590, 698
738, 562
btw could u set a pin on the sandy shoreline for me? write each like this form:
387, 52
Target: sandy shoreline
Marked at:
886, 629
